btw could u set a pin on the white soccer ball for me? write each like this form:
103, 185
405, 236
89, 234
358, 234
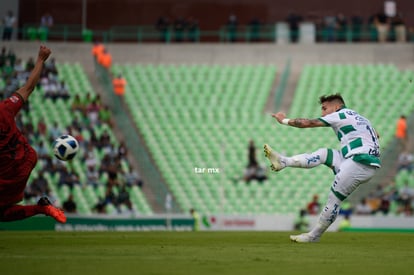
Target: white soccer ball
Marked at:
65, 147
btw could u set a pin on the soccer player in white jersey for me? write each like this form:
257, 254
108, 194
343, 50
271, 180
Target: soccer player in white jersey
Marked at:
354, 164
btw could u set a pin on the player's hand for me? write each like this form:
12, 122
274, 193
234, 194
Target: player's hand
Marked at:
44, 52
279, 116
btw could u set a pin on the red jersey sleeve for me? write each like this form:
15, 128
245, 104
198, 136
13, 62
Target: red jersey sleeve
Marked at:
12, 105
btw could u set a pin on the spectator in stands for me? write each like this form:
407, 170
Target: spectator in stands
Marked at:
401, 133
346, 209
97, 49
123, 199
105, 60
330, 25
232, 24
163, 25
30, 132
179, 27
50, 165
196, 218
406, 210
46, 21
42, 128
90, 157
42, 150
92, 176
112, 172
122, 151
400, 28
255, 26
68, 178
49, 87
77, 104
301, 222
132, 178
38, 188
105, 115
3, 56
69, 206
19, 69
110, 197
100, 206
55, 131
104, 164
254, 171
84, 103
106, 145
384, 206
30, 64
92, 112
405, 161
252, 159
8, 70
341, 27
345, 223
363, 208
9, 23
382, 24
293, 20
314, 206
193, 29
405, 194
50, 69
11, 56
119, 83
62, 90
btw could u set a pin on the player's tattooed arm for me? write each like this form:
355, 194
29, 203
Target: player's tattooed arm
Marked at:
306, 123
298, 122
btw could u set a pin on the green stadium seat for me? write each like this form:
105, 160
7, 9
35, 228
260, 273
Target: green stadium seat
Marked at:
221, 108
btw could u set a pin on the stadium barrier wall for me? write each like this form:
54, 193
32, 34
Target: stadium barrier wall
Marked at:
207, 223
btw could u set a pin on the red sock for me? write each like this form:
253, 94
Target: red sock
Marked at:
20, 212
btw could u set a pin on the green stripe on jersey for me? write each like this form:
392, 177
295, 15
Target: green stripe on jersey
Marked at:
367, 160
329, 158
326, 123
342, 116
338, 195
347, 129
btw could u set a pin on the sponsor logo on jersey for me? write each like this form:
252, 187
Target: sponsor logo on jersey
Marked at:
14, 99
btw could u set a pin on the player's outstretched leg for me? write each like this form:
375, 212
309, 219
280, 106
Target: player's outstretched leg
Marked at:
326, 218
276, 163
50, 210
304, 238
20, 212
306, 160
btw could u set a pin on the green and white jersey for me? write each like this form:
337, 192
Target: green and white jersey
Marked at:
356, 134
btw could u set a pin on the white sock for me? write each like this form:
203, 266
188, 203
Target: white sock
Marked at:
327, 216
306, 160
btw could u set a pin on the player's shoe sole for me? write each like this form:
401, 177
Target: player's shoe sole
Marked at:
304, 238
273, 157
52, 211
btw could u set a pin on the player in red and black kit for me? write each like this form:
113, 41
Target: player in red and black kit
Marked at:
17, 157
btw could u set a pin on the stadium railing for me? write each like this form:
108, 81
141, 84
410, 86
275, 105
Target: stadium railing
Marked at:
149, 33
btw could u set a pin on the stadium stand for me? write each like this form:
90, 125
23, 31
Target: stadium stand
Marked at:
201, 116
59, 111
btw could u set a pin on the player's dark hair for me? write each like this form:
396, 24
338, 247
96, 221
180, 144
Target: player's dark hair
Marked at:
331, 98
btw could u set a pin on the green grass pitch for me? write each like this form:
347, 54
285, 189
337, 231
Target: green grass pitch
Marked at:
102, 253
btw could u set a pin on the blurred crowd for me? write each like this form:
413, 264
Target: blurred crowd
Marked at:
104, 161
